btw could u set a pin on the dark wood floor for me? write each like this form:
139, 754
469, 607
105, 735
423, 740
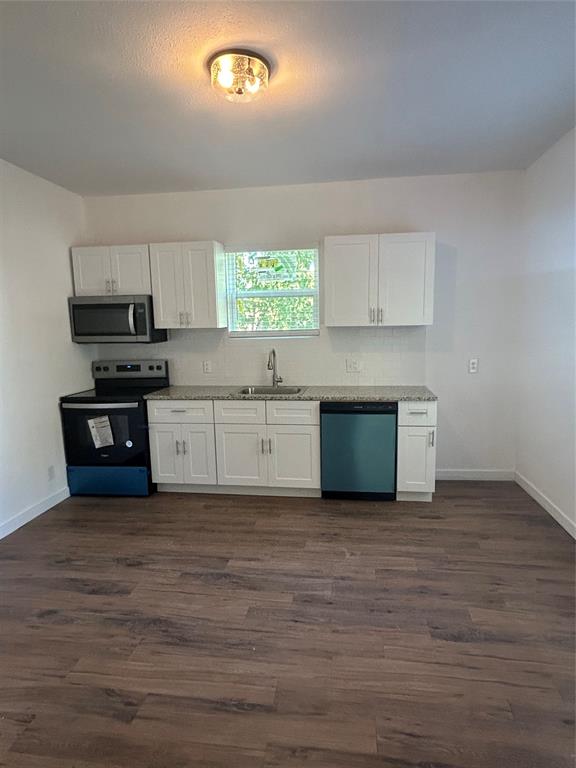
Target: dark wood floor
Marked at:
182, 631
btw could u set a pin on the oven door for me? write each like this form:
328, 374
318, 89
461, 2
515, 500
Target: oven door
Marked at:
101, 434
100, 319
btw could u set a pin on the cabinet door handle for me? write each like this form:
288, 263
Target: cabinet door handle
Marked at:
108, 289
180, 315
114, 288
372, 315
262, 445
177, 447
184, 447
270, 445
431, 438
380, 315
188, 319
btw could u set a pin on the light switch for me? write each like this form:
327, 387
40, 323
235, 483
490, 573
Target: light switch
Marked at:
473, 365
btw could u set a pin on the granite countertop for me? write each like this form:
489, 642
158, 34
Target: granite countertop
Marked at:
322, 393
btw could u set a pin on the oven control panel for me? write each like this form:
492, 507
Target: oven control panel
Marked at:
130, 369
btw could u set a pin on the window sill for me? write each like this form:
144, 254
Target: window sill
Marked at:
273, 334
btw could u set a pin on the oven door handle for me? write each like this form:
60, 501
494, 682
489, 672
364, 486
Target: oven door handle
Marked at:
99, 406
131, 323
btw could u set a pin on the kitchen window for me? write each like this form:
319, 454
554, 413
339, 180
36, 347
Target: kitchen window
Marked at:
273, 293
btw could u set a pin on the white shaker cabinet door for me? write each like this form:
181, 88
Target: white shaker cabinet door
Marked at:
130, 269
416, 459
199, 280
167, 285
406, 279
166, 453
241, 453
199, 453
294, 456
350, 279
91, 268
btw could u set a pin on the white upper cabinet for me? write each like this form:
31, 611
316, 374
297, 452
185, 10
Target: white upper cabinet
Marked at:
379, 279
188, 285
105, 270
130, 269
167, 285
91, 268
350, 279
406, 279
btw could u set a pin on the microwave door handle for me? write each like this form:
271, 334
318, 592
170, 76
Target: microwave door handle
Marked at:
131, 319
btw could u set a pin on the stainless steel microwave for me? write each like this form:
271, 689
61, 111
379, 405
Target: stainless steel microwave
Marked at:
113, 319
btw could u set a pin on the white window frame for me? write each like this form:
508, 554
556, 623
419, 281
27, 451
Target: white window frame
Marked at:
301, 292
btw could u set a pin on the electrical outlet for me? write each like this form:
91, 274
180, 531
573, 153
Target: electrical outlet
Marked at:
473, 365
207, 366
353, 365
51, 472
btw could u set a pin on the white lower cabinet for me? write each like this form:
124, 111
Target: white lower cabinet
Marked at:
286, 456
240, 454
416, 459
183, 453
294, 456
198, 453
167, 464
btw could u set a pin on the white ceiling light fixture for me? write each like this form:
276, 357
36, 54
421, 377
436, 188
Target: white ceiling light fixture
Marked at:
239, 75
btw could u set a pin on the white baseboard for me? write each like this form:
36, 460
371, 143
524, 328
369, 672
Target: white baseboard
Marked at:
20, 519
475, 474
552, 509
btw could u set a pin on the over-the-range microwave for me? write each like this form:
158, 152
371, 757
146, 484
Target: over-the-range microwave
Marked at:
113, 319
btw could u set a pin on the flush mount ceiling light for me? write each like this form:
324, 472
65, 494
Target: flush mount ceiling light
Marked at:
239, 75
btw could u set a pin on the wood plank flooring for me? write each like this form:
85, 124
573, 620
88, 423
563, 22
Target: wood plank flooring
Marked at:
182, 631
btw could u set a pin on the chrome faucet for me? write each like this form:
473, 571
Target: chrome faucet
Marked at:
273, 366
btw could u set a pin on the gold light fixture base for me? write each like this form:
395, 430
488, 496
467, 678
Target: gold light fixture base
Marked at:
239, 75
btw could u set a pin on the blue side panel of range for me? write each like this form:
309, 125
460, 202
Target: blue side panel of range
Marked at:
109, 481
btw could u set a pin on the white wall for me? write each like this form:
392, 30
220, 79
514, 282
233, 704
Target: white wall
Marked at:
475, 217
546, 388
38, 223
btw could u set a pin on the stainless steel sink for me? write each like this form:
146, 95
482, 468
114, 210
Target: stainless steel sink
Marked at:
271, 390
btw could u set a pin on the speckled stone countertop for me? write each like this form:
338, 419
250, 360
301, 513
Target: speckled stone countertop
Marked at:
323, 393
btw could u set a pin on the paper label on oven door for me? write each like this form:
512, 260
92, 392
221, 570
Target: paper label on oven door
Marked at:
101, 431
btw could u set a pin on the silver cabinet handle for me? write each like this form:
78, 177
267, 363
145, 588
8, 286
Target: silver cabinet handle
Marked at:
270, 445
418, 413
180, 316
114, 288
108, 289
262, 445
184, 447
177, 447
431, 438
372, 315
380, 315
188, 319
99, 406
178, 410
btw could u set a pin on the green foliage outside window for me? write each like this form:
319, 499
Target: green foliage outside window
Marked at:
273, 291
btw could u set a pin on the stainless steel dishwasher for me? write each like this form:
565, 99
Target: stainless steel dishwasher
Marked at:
358, 443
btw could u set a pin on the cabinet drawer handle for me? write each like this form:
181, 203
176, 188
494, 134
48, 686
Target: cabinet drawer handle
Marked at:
418, 413
178, 410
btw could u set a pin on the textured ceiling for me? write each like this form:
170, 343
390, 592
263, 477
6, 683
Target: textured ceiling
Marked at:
113, 97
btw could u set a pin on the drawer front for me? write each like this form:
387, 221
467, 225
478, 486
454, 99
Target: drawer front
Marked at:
417, 414
292, 412
180, 412
239, 411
